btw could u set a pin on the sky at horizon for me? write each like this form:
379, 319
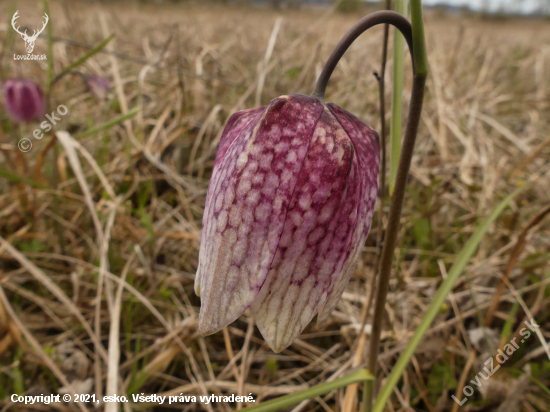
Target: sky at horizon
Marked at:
510, 6
516, 6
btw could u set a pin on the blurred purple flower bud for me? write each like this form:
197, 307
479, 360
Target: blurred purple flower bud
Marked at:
24, 100
98, 86
288, 209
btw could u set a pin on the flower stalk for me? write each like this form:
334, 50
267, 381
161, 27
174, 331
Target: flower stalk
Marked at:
397, 96
420, 70
315, 127
414, 36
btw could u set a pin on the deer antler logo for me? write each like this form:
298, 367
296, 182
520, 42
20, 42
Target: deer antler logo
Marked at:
29, 40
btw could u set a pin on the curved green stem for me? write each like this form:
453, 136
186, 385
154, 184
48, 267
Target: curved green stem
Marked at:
420, 69
414, 36
371, 20
415, 109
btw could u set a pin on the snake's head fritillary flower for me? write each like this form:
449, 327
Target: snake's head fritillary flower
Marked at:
98, 86
288, 209
24, 100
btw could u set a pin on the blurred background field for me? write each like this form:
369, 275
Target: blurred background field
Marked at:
82, 215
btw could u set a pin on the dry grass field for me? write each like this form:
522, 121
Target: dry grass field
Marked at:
100, 231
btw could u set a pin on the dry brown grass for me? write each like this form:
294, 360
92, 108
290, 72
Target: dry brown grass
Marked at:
122, 227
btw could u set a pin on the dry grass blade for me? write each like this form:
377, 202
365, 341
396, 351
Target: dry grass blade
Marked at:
505, 132
134, 172
65, 139
209, 120
68, 143
114, 349
529, 314
262, 67
55, 290
514, 256
536, 152
38, 348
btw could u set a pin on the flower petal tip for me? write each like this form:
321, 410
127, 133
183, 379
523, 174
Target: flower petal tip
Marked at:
322, 321
205, 329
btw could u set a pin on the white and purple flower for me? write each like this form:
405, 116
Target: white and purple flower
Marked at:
24, 100
288, 209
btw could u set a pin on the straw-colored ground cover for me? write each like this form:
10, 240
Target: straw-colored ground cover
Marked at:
123, 206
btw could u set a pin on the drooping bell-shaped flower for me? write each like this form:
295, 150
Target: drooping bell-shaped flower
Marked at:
98, 86
24, 100
288, 209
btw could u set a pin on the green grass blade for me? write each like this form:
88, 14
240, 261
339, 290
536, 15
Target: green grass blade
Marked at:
49, 37
507, 328
461, 261
420, 53
15, 178
8, 43
396, 101
289, 400
538, 383
77, 63
108, 124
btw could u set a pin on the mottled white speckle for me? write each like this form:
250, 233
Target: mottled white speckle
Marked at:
219, 203
340, 155
247, 217
295, 218
315, 177
222, 220
244, 187
241, 161
291, 157
305, 201
302, 267
239, 251
262, 211
320, 134
252, 166
373, 192
255, 149
278, 204
230, 237
326, 213
302, 151
235, 216
286, 176
281, 147
272, 181
253, 197
258, 178
275, 132
330, 144
266, 159
265, 257
229, 196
